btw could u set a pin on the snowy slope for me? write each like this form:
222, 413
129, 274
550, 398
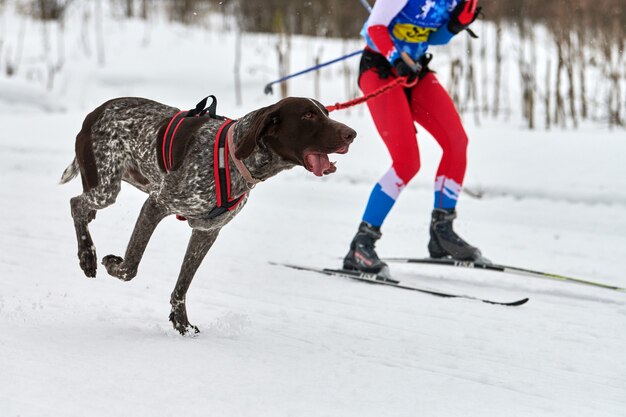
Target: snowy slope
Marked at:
276, 342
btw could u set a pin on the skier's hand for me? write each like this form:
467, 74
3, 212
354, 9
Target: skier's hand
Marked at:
463, 15
405, 70
402, 68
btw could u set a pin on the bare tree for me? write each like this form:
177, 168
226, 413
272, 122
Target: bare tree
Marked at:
582, 70
485, 72
283, 48
569, 67
456, 71
283, 51
470, 83
145, 5
237, 69
85, 31
526, 66
129, 8
559, 111
98, 20
13, 61
497, 79
316, 75
547, 96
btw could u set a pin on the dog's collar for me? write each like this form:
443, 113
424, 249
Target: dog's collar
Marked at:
241, 167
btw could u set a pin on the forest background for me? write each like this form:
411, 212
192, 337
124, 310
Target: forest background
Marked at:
566, 56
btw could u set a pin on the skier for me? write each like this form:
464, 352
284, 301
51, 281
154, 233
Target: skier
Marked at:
398, 34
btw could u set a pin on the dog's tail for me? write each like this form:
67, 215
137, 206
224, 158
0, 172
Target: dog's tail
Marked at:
70, 172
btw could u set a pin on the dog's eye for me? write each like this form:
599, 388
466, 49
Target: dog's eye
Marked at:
309, 115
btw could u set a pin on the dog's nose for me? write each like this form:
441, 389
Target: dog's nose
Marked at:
348, 134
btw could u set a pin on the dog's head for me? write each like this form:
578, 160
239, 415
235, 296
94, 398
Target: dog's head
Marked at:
299, 131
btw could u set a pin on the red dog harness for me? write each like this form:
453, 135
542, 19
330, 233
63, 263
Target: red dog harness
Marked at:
221, 171
221, 167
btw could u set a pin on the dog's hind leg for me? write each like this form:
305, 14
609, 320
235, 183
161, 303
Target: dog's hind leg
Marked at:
126, 268
84, 209
94, 197
82, 215
100, 158
199, 245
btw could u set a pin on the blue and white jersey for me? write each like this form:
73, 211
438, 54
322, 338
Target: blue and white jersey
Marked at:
412, 25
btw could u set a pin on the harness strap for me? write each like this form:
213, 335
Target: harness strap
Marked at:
168, 139
243, 169
221, 172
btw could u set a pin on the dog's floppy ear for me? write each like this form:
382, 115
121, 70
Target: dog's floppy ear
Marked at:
261, 125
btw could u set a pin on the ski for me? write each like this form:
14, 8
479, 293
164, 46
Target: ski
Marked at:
504, 268
381, 280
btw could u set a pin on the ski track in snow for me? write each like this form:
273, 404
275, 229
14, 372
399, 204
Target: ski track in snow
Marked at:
278, 342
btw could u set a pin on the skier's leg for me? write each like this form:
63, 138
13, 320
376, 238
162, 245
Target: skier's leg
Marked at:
433, 109
394, 122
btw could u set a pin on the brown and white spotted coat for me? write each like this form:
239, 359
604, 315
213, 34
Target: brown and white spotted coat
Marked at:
121, 141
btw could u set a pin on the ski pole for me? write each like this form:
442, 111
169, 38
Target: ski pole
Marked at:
268, 87
366, 5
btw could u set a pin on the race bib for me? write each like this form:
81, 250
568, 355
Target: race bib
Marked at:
407, 32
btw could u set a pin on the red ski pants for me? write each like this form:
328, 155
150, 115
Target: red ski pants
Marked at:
431, 107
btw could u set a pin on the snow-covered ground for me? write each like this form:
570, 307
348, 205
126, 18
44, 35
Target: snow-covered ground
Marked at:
277, 342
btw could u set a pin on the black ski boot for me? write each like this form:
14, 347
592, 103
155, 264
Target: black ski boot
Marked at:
445, 242
362, 255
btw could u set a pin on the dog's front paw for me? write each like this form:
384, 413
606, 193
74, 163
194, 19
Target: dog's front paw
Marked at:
180, 322
115, 267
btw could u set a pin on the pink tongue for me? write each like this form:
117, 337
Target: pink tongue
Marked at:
318, 163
